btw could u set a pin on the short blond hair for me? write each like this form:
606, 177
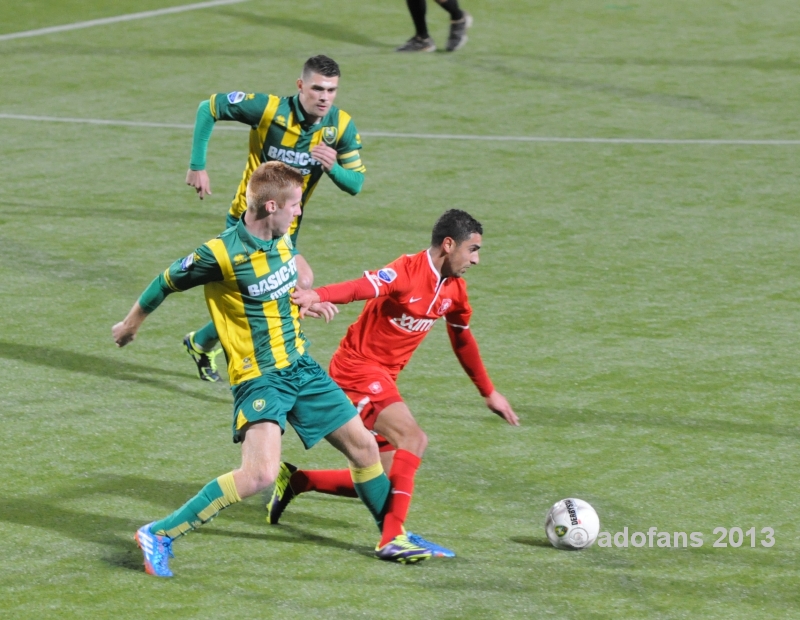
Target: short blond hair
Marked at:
272, 180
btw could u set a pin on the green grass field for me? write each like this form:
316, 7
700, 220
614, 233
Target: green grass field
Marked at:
637, 303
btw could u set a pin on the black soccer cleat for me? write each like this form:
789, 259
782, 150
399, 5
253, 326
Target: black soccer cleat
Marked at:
205, 360
458, 33
417, 44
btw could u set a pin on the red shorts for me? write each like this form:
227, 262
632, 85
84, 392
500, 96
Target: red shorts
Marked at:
370, 387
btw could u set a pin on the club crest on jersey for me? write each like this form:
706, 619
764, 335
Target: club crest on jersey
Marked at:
259, 404
236, 97
387, 274
329, 135
240, 259
375, 387
187, 262
444, 306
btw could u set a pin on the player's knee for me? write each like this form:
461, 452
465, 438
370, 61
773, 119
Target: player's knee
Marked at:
257, 479
364, 451
415, 441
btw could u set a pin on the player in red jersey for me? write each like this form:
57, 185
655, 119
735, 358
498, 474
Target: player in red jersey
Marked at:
405, 299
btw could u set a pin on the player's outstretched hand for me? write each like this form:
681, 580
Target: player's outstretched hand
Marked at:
125, 331
123, 334
305, 298
499, 405
323, 310
199, 180
324, 155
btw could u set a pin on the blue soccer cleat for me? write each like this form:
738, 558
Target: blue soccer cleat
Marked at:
157, 551
437, 551
402, 550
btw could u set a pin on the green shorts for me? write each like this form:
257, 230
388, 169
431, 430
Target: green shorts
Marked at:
303, 394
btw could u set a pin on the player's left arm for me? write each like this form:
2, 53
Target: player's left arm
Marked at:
466, 349
198, 268
343, 164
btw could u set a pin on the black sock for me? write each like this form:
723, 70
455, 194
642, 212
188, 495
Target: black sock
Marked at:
417, 10
451, 6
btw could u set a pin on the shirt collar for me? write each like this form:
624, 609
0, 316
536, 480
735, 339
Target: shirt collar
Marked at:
298, 109
300, 115
253, 244
435, 271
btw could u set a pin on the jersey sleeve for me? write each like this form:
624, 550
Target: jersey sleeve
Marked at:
464, 345
239, 106
392, 279
348, 148
198, 268
466, 349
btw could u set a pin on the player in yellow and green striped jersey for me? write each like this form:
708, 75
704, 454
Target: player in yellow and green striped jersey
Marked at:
305, 131
249, 272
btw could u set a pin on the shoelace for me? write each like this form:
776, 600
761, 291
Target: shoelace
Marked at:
166, 549
212, 358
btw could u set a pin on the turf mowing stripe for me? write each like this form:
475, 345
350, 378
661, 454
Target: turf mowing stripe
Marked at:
419, 136
114, 20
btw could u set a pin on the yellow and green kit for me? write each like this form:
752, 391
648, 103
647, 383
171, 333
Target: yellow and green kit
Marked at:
281, 131
248, 282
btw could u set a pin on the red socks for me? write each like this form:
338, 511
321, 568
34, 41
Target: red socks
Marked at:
404, 468
340, 482
330, 481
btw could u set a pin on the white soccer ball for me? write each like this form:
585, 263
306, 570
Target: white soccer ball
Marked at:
572, 524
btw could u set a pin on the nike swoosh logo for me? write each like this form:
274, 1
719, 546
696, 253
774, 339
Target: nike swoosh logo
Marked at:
413, 299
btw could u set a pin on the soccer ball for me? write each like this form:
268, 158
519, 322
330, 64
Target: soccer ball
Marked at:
572, 524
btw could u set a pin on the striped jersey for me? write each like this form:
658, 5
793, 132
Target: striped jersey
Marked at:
280, 132
248, 282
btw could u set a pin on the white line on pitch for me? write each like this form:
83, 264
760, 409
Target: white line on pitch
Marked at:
119, 18
443, 136
415, 136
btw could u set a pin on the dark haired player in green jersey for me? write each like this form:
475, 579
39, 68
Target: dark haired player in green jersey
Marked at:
248, 273
305, 131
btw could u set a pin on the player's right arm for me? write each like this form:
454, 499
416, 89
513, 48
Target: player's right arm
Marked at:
372, 284
200, 267
235, 106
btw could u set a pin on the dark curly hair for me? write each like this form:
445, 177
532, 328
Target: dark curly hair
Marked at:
456, 224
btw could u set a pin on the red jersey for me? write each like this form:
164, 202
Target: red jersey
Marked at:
410, 295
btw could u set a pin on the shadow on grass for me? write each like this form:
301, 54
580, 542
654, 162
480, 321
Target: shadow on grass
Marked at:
120, 550
311, 27
566, 417
82, 526
165, 493
531, 541
314, 28
103, 367
293, 535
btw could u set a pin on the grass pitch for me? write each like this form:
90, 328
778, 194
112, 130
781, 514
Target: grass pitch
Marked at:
637, 303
